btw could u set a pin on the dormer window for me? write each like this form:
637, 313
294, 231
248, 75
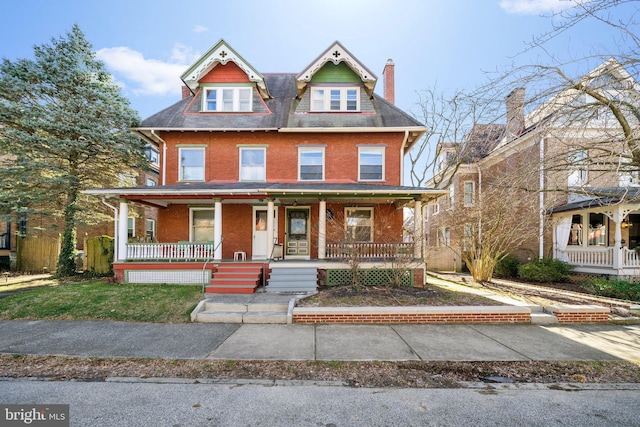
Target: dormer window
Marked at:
227, 99
342, 98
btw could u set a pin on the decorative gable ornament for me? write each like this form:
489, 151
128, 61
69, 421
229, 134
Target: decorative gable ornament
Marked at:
222, 53
336, 54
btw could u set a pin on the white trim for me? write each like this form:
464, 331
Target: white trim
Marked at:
235, 100
264, 164
193, 209
372, 149
191, 148
464, 193
310, 149
360, 208
327, 98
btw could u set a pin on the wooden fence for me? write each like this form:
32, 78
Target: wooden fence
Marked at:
37, 254
98, 254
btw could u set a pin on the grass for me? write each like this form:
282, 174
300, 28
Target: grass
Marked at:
99, 300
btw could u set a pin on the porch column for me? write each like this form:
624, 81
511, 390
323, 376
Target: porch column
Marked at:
322, 229
217, 228
123, 224
270, 220
417, 229
617, 239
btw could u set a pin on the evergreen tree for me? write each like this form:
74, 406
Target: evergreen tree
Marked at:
64, 127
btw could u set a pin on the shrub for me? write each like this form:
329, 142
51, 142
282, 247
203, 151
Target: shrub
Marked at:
613, 289
544, 270
507, 267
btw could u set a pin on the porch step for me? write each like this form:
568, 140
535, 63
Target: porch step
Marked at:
271, 313
292, 279
235, 278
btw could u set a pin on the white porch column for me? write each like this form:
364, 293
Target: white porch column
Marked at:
270, 220
417, 229
322, 229
618, 216
123, 224
217, 228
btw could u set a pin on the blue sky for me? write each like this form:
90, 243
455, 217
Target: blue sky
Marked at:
146, 45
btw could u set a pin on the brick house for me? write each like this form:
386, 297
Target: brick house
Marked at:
591, 219
259, 167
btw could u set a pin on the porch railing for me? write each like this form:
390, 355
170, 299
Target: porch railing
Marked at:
630, 258
368, 250
592, 258
183, 251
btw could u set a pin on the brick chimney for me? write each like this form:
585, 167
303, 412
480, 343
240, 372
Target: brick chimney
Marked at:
389, 81
515, 113
186, 92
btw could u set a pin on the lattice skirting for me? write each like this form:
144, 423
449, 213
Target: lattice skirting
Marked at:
171, 277
373, 276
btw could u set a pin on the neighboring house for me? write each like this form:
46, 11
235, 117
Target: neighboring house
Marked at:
260, 167
591, 219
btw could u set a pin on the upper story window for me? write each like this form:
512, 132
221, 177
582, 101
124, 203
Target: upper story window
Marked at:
227, 99
371, 164
311, 164
469, 193
326, 98
578, 174
253, 164
153, 155
191, 165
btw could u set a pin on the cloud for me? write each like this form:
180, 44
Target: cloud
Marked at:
200, 29
534, 7
145, 76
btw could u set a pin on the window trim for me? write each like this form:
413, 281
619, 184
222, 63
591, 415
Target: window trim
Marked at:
310, 150
326, 96
472, 194
382, 151
131, 231
180, 166
264, 165
153, 229
236, 105
372, 226
203, 208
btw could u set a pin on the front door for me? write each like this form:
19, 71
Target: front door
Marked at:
297, 241
261, 247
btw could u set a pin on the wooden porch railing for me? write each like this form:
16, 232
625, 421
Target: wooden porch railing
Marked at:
630, 258
369, 250
593, 257
184, 251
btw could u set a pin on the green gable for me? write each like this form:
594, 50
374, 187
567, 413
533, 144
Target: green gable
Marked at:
330, 73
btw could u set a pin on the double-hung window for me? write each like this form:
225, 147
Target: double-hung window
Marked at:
578, 173
252, 163
469, 193
326, 98
311, 164
201, 224
371, 164
191, 164
227, 99
359, 224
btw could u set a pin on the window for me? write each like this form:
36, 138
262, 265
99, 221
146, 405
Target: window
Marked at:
436, 208
575, 235
151, 182
191, 167
311, 164
444, 236
469, 238
451, 196
152, 155
229, 99
252, 164
597, 230
469, 193
201, 220
359, 224
335, 99
578, 169
371, 164
131, 227
150, 230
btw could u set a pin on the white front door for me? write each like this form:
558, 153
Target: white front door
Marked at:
261, 247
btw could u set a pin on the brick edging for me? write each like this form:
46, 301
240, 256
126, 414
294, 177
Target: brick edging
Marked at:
579, 313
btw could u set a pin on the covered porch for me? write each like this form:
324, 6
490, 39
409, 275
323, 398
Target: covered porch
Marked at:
599, 236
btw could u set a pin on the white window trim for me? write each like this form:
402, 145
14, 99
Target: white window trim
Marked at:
191, 210
253, 148
452, 192
378, 149
473, 193
133, 225
219, 101
359, 208
310, 149
327, 99
153, 227
180, 175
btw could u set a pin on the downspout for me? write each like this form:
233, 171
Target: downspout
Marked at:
479, 202
404, 143
115, 228
541, 196
164, 156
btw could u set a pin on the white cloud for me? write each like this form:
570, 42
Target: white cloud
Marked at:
147, 76
534, 7
200, 29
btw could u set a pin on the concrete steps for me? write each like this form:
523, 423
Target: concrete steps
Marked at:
271, 313
235, 278
292, 279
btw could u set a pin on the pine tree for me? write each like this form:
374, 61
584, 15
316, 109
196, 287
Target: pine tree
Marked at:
64, 127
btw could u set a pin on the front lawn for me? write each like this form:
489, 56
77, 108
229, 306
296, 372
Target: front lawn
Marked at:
99, 300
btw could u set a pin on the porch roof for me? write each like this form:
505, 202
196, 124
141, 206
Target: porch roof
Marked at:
261, 190
599, 197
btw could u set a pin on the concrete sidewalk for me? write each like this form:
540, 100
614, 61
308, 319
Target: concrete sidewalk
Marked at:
472, 342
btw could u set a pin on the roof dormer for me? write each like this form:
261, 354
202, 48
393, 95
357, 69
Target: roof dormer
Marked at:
222, 54
329, 67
